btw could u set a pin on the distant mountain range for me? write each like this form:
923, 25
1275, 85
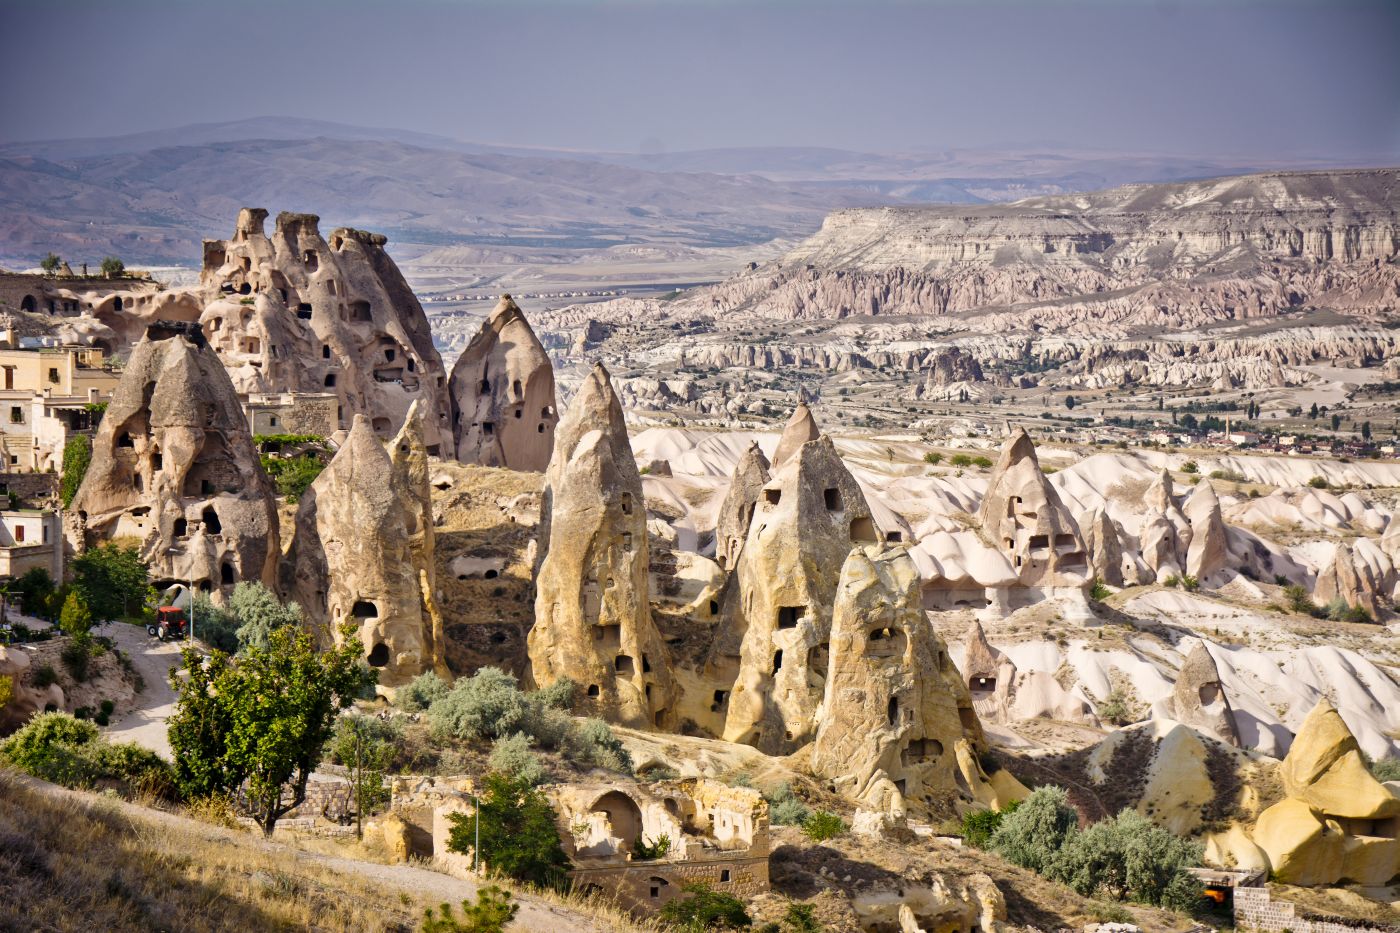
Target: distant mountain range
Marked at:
151, 197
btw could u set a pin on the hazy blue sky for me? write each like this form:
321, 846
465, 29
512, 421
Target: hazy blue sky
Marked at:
1234, 77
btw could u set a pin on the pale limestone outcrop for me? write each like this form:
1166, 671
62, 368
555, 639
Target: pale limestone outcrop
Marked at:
990, 675
1209, 550
363, 553
774, 645
295, 313
174, 467
732, 528
1336, 824
592, 610
1165, 537
1199, 700
1103, 538
502, 390
24, 700
1024, 517
949, 904
1349, 579
800, 429
895, 706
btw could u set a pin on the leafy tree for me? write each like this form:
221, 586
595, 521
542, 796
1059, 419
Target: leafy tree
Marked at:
260, 613
215, 625
77, 454
50, 263
364, 745
111, 580
293, 475
519, 836
490, 914
1365, 430
264, 717
1069, 402
979, 825
704, 908
960, 460
933, 457
34, 587
112, 267
75, 620
1336, 422
1312, 412
1033, 834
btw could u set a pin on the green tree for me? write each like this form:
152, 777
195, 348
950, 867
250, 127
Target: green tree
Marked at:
77, 454
75, 620
270, 713
979, 825
1069, 402
822, 825
1365, 430
112, 580
364, 745
1336, 422
215, 625
490, 914
50, 263
112, 267
1033, 834
704, 908
519, 836
34, 587
1312, 412
259, 613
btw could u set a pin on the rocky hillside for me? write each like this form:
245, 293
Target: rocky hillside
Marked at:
1140, 256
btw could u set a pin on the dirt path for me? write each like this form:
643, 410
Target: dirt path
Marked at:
153, 660
421, 884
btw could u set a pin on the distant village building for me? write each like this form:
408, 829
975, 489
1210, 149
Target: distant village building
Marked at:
31, 538
294, 413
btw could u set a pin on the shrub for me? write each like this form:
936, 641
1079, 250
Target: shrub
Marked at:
421, 692
62, 749
961, 460
1339, 611
822, 825
1189, 583
979, 825
511, 755
112, 267
644, 851
259, 613
486, 705
77, 455
784, 808
107, 706
1387, 769
45, 676
215, 625
1098, 592
1034, 833
490, 914
1298, 599
7, 690
34, 588
1190, 466
933, 458
1115, 708
704, 908
75, 619
75, 657
519, 836
1128, 858
982, 462
594, 743
1318, 482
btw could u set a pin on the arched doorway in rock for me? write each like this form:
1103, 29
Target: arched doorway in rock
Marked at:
624, 817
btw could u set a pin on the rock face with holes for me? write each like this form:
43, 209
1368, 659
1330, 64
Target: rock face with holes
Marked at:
1165, 537
750, 476
174, 468
895, 706
502, 389
1199, 699
1023, 516
295, 313
592, 609
800, 429
774, 645
363, 553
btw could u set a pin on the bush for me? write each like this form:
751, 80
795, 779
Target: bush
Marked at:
421, 692
34, 588
822, 825
1189, 583
1190, 466
643, 851
1387, 769
1128, 858
215, 625
511, 756
59, 748
75, 657
1034, 833
45, 676
1298, 599
519, 835
594, 743
77, 455
784, 809
1318, 482
259, 613
704, 908
112, 267
1098, 592
293, 475
486, 705
979, 825
490, 914
75, 619
982, 462
933, 458
961, 460
1339, 611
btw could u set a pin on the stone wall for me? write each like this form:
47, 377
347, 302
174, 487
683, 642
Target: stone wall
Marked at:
1256, 910
35, 490
647, 886
294, 413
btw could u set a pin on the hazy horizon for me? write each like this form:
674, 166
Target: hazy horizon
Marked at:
1243, 78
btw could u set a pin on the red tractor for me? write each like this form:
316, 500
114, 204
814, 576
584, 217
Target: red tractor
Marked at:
171, 623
